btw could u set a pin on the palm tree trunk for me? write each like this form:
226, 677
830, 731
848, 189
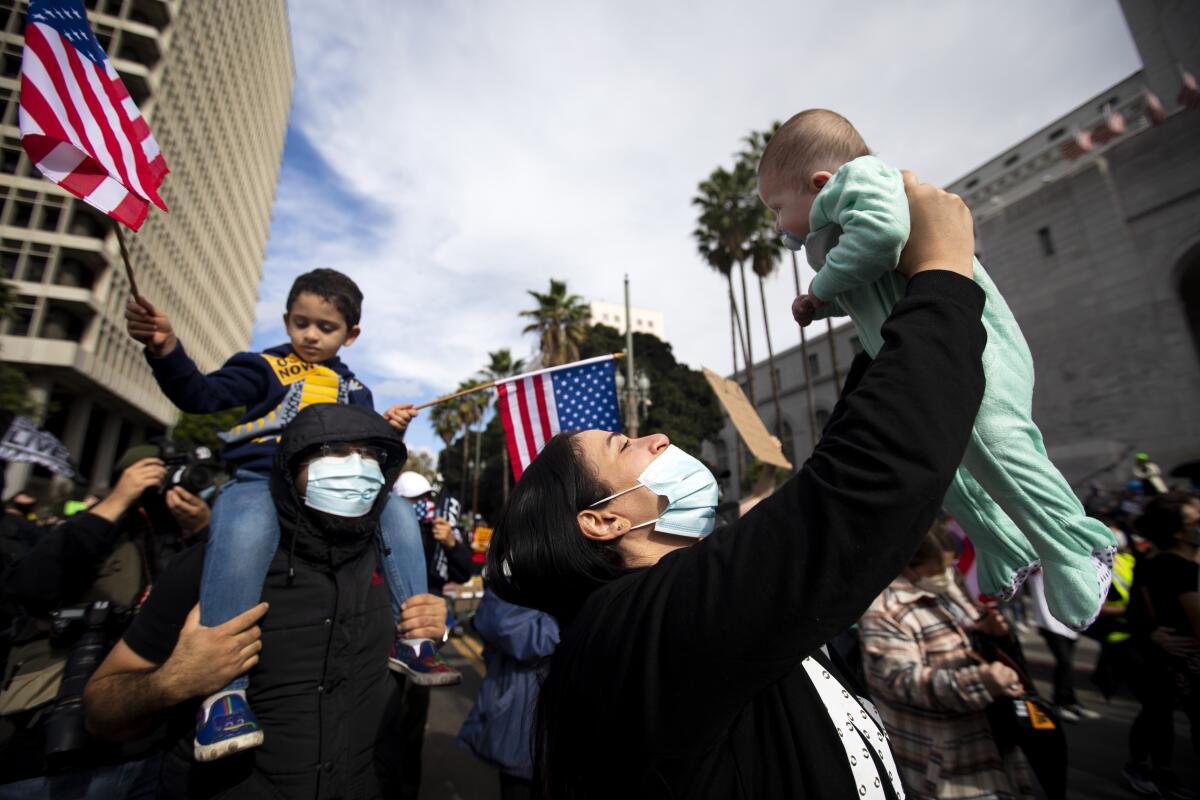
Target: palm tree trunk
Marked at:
837, 373
742, 339
746, 330
733, 318
808, 385
762, 295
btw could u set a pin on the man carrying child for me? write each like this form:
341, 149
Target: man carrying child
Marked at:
322, 316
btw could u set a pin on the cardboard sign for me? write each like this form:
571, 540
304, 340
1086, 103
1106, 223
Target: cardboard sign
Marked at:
749, 425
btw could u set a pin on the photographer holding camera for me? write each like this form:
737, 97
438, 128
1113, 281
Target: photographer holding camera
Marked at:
66, 600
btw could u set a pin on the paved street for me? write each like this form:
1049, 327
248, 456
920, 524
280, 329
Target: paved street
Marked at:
1097, 749
450, 772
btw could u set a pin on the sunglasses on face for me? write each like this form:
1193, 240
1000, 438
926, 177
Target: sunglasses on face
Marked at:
343, 449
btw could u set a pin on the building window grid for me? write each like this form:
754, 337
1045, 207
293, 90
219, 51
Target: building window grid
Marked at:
106, 333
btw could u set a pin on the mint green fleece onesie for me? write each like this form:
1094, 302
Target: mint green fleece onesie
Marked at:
1007, 495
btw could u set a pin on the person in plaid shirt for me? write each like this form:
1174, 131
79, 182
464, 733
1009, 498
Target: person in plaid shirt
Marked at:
931, 691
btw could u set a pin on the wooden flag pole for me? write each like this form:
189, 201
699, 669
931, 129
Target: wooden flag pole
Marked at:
133, 287
489, 385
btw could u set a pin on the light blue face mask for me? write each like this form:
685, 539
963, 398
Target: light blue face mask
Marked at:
791, 242
690, 489
345, 486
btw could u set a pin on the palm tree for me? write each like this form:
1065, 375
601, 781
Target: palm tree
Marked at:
446, 420
730, 210
479, 403
446, 424
718, 259
470, 410
560, 321
502, 365
764, 257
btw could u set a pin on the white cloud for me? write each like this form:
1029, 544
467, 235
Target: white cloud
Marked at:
479, 149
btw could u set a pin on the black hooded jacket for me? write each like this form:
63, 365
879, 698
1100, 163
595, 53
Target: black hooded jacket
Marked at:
322, 684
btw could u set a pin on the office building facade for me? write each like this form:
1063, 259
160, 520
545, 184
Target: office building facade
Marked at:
214, 80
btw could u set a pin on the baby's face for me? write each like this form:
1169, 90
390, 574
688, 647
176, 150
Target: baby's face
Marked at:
791, 205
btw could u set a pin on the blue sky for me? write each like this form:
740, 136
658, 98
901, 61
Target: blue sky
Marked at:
451, 156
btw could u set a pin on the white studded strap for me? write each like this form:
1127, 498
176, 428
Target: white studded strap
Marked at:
850, 718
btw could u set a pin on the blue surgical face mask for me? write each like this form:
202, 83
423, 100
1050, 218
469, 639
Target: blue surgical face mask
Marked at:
690, 489
345, 486
791, 242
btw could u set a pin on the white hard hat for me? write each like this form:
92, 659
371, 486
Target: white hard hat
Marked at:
411, 485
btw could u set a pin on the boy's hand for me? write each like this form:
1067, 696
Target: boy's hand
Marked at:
149, 326
399, 415
804, 309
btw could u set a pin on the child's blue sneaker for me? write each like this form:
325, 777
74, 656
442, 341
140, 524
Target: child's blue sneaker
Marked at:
416, 659
225, 725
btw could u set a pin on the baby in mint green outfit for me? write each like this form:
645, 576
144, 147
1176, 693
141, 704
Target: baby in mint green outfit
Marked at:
849, 212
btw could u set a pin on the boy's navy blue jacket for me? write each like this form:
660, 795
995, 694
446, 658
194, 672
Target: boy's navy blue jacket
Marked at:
273, 385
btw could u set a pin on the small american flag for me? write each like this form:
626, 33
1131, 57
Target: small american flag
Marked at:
536, 406
78, 123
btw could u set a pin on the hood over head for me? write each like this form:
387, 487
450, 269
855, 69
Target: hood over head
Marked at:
319, 538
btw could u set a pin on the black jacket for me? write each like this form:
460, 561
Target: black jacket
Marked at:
58, 570
684, 679
457, 563
322, 684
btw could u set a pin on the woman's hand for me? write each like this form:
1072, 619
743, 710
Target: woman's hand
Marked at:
1001, 680
941, 235
992, 624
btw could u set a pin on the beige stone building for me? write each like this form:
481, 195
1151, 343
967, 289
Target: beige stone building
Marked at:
214, 80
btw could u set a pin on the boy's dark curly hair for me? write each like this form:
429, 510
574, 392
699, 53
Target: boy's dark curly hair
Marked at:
333, 286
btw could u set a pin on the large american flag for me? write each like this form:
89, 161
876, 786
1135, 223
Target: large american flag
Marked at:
536, 406
78, 123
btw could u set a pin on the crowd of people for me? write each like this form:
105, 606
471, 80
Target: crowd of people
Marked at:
265, 622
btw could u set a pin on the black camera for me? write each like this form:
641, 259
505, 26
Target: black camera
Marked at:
88, 631
195, 469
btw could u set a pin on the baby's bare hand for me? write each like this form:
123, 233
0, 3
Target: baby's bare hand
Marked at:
804, 310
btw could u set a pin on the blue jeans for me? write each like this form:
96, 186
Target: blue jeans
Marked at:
243, 536
132, 780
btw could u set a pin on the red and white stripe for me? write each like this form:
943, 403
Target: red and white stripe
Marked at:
966, 559
529, 415
84, 132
